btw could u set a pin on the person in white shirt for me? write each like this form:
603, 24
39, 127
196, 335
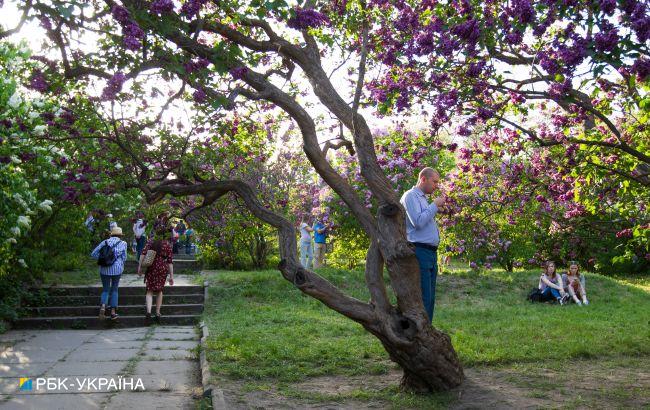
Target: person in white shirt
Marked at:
306, 250
139, 228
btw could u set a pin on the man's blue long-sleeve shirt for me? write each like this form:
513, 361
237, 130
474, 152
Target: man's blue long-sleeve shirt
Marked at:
421, 225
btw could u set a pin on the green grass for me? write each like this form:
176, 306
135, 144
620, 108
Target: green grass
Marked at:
85, 275
263, 330
490, 321
263, 327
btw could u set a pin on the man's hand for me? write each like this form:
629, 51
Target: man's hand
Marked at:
440, 201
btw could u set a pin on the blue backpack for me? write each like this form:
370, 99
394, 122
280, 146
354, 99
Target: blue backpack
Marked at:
106, 255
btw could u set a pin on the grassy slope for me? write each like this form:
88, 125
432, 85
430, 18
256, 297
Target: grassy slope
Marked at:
262, 329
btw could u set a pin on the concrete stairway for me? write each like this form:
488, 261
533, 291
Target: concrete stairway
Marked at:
78, 307
181, 266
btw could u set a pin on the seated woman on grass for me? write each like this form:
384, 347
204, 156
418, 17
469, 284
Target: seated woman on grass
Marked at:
550, 283
574, 283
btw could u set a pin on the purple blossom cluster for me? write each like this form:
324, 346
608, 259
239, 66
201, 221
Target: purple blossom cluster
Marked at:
38, 82
637, 13
308, 18
196, 65
607, 6
607, 39
132, 33
113, 86
641, 68
238, 72
46, 23
191, 8
160, 7
522, 11
200, 96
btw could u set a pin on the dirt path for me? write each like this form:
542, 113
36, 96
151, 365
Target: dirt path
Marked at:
622, 382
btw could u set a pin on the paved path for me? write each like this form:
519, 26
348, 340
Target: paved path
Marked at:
136, 280
163, 358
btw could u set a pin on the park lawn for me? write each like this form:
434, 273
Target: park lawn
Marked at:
87, 274
265, 332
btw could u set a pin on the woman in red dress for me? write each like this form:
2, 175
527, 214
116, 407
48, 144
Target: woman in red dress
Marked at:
156, 274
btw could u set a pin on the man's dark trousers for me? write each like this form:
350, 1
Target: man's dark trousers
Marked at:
428, 261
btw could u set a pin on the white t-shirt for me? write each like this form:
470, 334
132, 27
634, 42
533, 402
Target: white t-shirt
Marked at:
305, 235
138, 228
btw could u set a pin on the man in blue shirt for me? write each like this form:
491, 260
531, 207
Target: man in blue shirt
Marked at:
320, 237
422, 231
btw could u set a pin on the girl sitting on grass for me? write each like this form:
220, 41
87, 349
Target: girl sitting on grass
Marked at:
550, 283
575, 284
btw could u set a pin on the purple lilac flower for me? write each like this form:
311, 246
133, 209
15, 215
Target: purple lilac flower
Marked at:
475, 69
607, 39
192, 7
608, 6
468, 31
26, 156
238, 72
114, 86
133, 36
485, 113
641, 27
425, 43
38, 82
641, 68
121, 15
161, 7
200, 96
195, 65
515, 37
306, 18
559, 90
522, 11
46, 23
549, 64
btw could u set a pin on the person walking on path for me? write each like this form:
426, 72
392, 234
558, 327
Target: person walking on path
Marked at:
422, 232
188, 240
320, 243
110, 255
155, 275
306, 251
139, 228
180, 235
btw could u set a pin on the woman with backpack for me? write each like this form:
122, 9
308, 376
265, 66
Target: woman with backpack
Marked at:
110, 255
156, 267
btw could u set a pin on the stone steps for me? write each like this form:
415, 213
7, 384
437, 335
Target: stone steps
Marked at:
124, 290
181, 266
93, 322
127, 310
86, 300
78, 307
